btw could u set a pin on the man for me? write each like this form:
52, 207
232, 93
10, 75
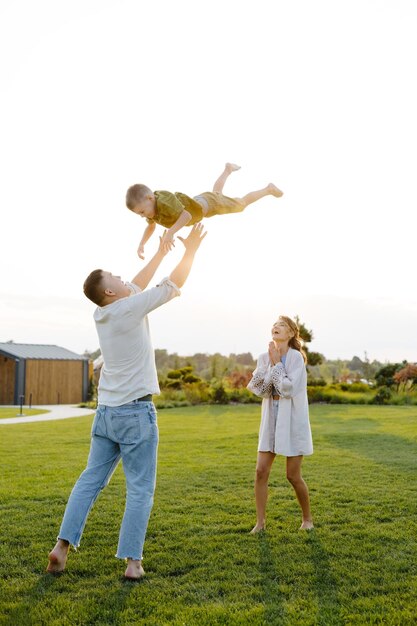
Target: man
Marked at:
125, 425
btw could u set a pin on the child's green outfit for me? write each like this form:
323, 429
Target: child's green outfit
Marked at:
169, 206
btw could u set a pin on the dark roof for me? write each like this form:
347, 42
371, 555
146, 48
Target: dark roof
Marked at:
38, 351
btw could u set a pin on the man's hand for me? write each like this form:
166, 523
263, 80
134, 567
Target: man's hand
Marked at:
143, 278
180, 274
163, 247
167, 241
194, 239
141, 251
274, 353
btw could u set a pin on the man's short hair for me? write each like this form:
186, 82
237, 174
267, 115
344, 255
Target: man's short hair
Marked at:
92, 287
135, 194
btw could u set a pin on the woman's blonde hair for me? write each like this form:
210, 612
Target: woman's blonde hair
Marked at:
295, 341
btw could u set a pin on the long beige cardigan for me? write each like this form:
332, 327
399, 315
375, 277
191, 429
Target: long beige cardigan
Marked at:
292, 432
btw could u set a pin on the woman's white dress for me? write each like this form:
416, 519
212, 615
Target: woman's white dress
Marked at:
292, 436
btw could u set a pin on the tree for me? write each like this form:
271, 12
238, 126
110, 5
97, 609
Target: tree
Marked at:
161, 358
385, 375
407, 377
244, 359
313, 358
367, 368
356, 364
238, 379
176, 378
305, 334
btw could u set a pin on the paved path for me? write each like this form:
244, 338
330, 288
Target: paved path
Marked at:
55, 412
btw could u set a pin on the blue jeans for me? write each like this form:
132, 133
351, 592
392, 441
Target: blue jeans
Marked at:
128, 432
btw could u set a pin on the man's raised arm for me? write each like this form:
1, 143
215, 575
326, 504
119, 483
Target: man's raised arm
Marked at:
180, 274
143, 278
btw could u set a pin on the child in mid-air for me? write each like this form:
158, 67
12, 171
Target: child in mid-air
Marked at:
175, 210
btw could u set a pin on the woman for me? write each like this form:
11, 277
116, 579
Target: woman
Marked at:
280, 379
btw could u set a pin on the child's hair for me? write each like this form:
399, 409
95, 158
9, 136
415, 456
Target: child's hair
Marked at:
92, 286
295, 342
135, 194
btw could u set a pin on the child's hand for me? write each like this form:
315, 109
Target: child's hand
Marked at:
167, 242
141, 251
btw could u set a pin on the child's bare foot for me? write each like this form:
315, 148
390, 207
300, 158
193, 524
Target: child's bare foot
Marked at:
258, 528
307, 525
274, 191
58, 557
134, 570
231, 167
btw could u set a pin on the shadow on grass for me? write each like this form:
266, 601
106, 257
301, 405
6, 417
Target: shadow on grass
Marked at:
325, 584
21, 614
389, 450
40, 600
273, 597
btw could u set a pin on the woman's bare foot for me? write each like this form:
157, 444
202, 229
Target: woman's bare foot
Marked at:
258, 528
134, 570
274, 191
58, 557
231, 167
307, 525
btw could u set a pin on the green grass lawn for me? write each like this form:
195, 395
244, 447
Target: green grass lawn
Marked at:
15, 411
359, 566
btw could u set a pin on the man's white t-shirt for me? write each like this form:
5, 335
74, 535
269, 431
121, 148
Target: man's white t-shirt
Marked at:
129, 370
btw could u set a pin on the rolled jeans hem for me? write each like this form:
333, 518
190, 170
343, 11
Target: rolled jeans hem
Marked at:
73, 545
134, 558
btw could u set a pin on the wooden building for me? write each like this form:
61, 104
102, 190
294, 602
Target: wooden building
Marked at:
42, 375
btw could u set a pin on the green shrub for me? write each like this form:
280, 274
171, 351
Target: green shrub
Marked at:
359, 388
174, 384
403, 399
333, 394
91, 404
197, 392
175, 374
219, 394
383, 396
170, 397
191, 378
243, 396
353, 387
316, 382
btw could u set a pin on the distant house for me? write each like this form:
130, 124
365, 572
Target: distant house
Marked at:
42, 374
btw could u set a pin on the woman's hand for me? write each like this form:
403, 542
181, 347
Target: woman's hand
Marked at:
274, 353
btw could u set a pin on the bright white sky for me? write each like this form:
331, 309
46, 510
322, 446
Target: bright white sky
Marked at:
318, 97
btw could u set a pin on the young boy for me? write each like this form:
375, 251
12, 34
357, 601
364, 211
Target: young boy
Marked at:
175, 210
